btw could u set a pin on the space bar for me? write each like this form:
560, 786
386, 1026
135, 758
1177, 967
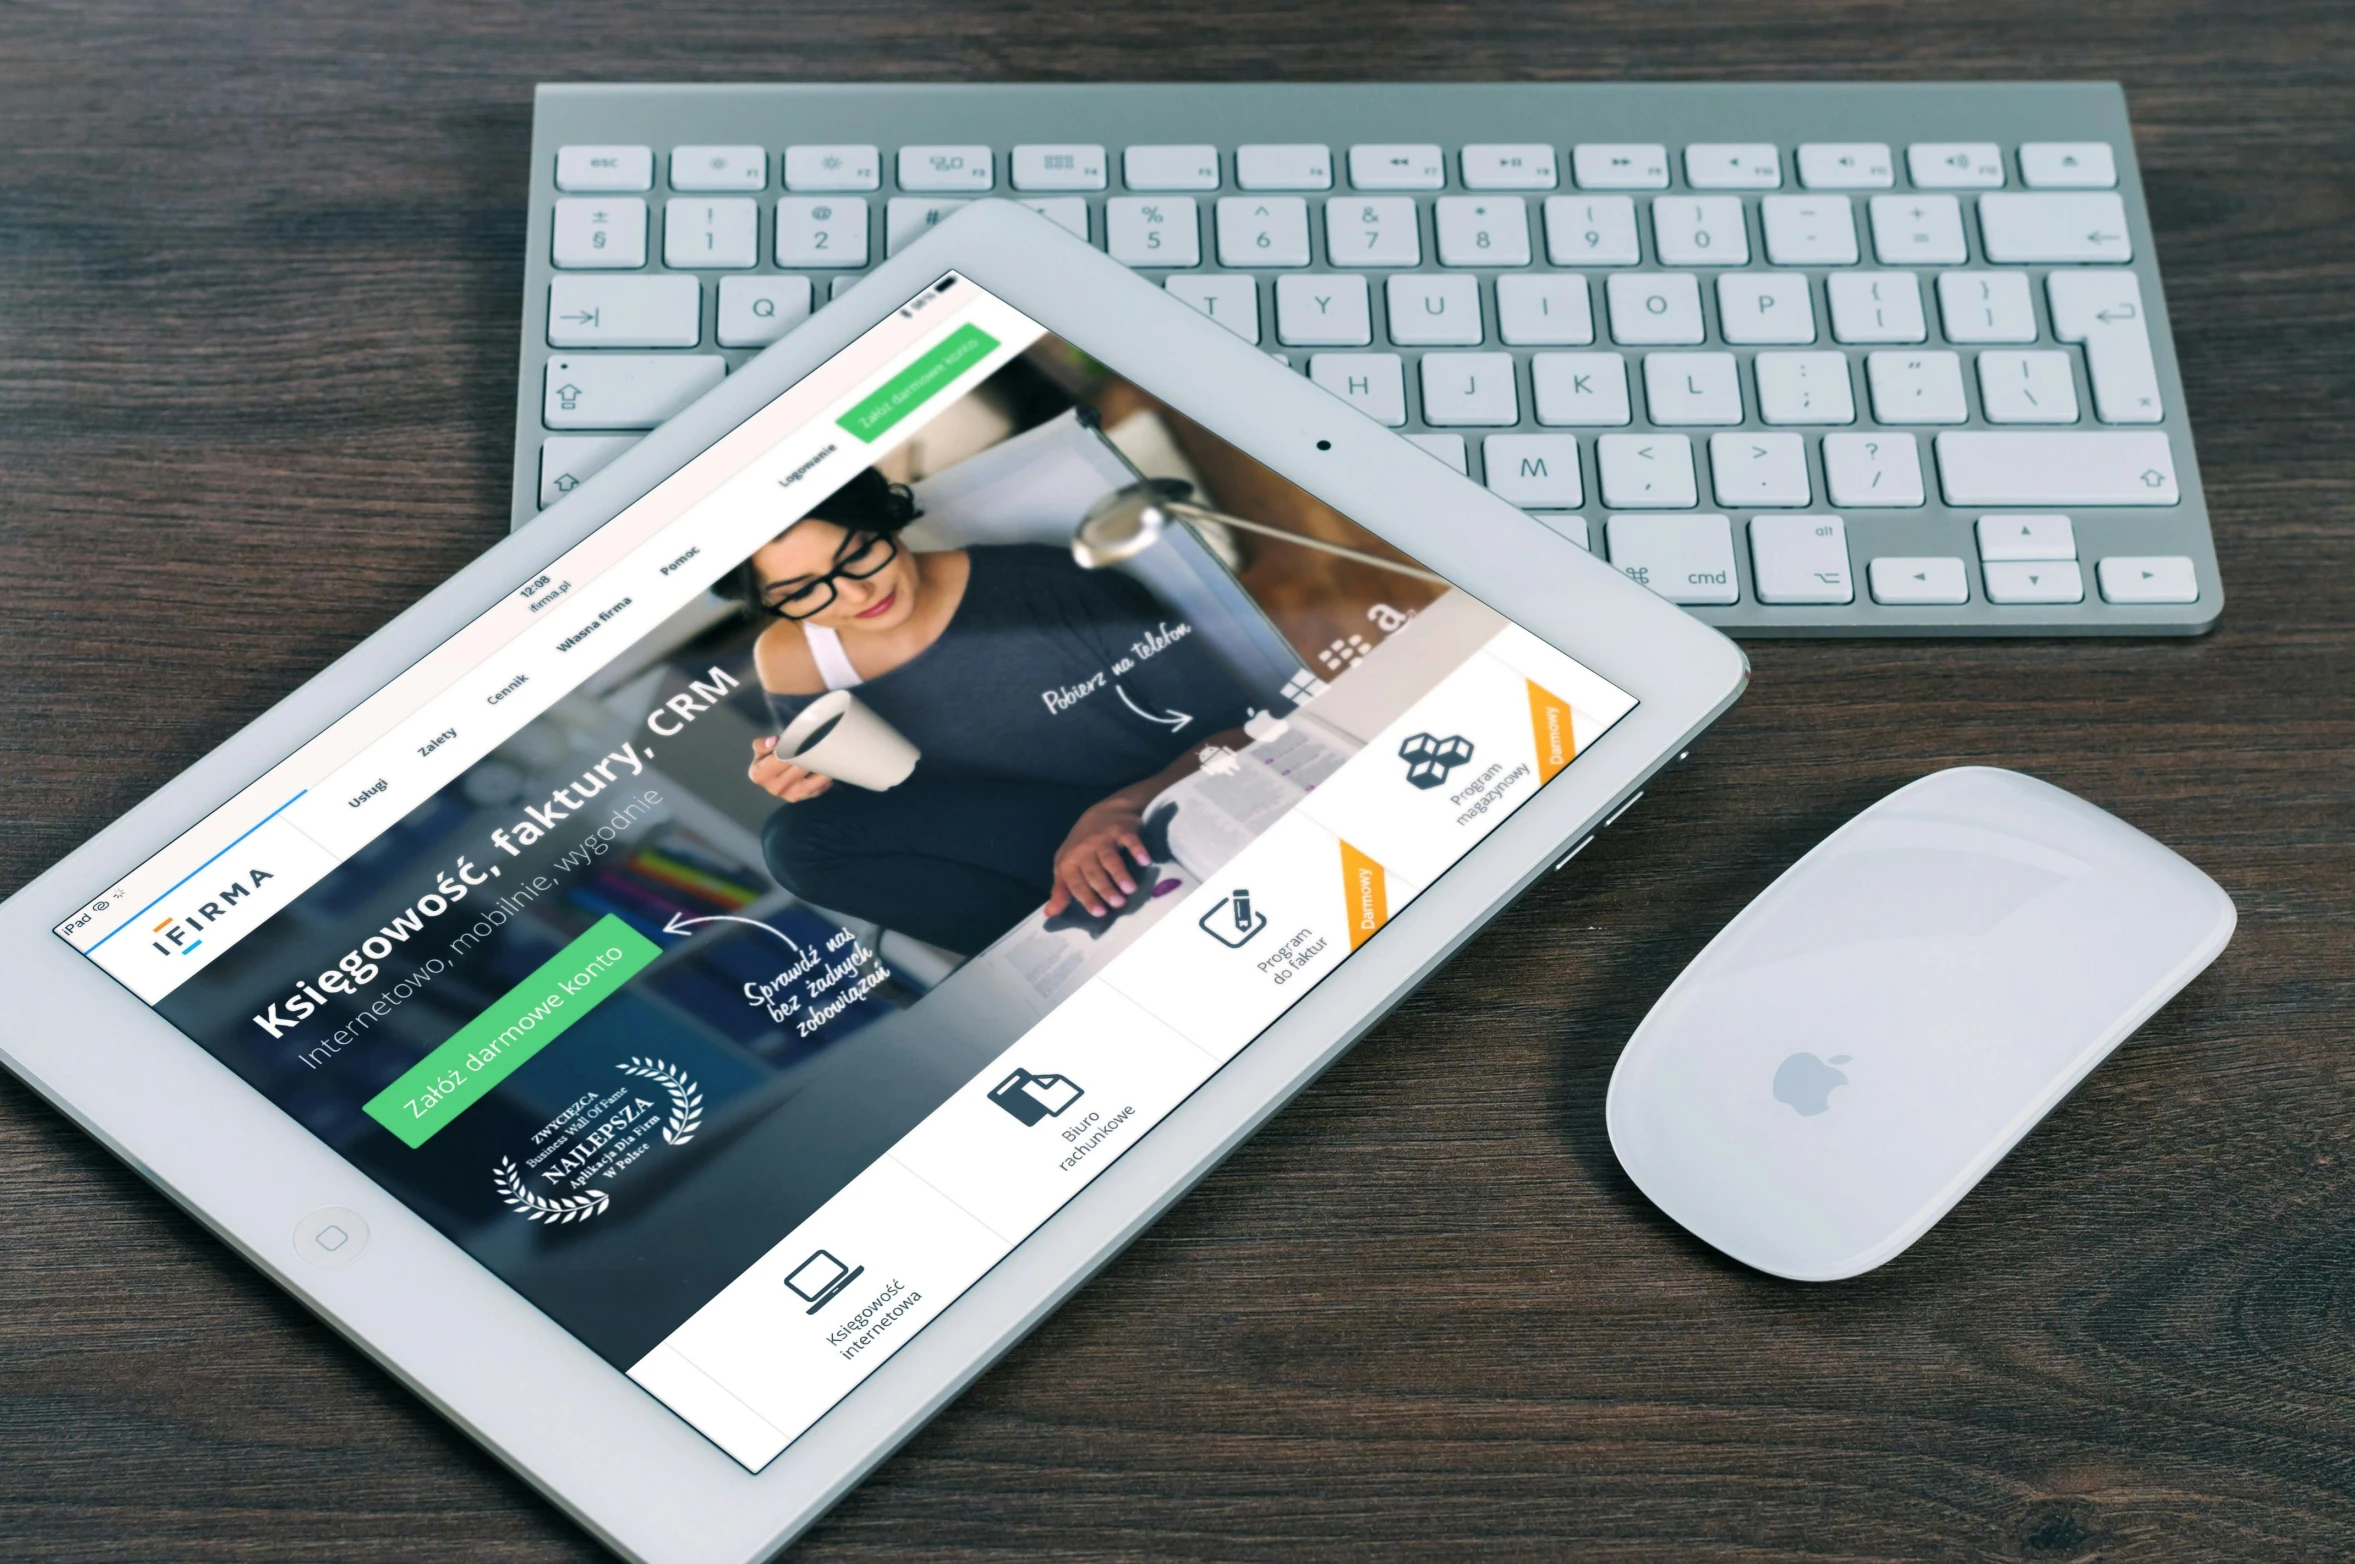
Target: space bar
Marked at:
2050, 467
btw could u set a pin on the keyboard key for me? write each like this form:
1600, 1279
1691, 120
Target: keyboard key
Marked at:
1373, 383
1809, 230
1764, 307
1800, 559
2026, 537
756, 311
1509, 166
1876, 307
604, 168
625, 312
1069, 213
1469, 388
1900, 581
1433, 311
1916, 388
1332, 310
1987, 306
1372, 231
1686, 559
1285, 166
1918, 230
833, 168
1153, 230
599, 233
2059, 582
2103, 310
2148, 578
1846, 165
1751, 470
1059, 166
2056, 467
1654, 307
907, 219
1262, 231
1692, 388
1804, 388
1544, 310
2068, 165
1482, 230
821, 231
697, 232
1449, 448
2027, 388
1620, 166
1572, 527
1193, 166
625, 390
2086, 227
842, 285
1872, 470
1700, 231
1590, 231
1397, 166
1536, 471
569, 460
948, 170
1733, 165
1231, 301
1646, 472
1955, 165
719, 168
1579, 389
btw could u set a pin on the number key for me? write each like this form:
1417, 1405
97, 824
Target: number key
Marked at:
1590, 231
1262, 231
1483, 231
822, 231
1153, 230
1372, 231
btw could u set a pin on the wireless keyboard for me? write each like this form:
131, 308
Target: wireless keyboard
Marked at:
1808, 360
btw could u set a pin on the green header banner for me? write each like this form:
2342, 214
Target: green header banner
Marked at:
915, 385
527, 1018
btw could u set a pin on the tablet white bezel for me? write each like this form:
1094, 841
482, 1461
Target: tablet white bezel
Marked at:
570, 1423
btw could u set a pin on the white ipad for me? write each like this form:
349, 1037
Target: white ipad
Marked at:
689, 993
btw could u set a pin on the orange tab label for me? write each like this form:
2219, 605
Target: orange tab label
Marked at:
1549, 724
1368, 897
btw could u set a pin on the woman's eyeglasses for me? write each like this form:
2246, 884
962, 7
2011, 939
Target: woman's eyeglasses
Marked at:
866, 555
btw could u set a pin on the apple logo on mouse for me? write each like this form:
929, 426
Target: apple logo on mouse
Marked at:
1806, 1082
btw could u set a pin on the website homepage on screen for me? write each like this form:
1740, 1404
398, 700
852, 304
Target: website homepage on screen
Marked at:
763, 919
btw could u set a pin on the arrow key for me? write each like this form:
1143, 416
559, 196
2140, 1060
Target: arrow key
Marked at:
2153, 578
2059, 581
1897, 580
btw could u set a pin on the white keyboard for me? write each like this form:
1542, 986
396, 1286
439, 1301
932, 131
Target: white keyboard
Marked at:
1809, 360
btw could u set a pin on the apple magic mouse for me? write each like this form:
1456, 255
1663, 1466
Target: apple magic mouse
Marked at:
1865, 1040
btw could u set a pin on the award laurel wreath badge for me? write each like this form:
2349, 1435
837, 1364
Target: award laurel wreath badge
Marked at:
678, 1128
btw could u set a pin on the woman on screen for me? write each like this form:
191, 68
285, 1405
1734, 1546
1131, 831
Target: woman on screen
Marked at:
1048, 704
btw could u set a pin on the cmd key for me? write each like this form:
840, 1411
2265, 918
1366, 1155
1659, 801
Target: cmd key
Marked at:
2056, 467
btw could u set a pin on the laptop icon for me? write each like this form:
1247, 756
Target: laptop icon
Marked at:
820, 1277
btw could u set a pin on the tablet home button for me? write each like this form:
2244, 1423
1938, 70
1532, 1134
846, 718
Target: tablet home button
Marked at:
331, 1236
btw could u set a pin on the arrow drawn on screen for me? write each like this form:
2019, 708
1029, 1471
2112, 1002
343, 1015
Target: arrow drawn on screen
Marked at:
682, 924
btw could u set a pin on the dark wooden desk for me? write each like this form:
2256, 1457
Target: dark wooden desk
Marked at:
259, 281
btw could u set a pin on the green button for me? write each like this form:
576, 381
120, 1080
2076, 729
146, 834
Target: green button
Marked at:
526, 1019
913, 386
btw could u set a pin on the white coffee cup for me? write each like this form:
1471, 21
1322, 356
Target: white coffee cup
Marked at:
837, 736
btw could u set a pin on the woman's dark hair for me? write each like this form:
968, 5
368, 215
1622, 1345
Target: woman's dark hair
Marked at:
869, 503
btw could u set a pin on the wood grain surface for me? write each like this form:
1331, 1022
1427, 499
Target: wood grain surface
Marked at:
259, 284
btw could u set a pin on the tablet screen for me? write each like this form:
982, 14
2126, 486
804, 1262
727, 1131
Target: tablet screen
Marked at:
765, 917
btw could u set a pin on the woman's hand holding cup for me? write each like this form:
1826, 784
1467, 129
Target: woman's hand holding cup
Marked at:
782, 778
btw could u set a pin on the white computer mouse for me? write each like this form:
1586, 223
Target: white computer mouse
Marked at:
1866, 1039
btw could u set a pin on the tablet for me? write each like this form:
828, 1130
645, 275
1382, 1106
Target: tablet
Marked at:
689, 993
